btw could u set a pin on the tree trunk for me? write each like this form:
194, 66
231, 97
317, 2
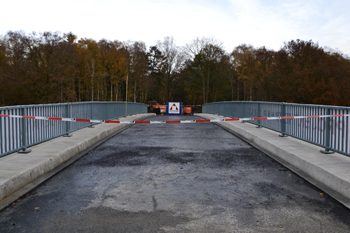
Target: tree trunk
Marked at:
135, 89
203, 90
208, 78
244, 96
79, 90
92, 79
126, 88
116, 91
98, 88
111, 91
251, 91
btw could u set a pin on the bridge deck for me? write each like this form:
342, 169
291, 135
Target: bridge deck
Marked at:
175, 178
21, 172
330, 172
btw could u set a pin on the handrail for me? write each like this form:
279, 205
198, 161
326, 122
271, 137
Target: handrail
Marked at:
19, 134
333, 134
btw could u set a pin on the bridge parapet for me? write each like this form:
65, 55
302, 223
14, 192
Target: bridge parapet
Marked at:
328, 131
17, 134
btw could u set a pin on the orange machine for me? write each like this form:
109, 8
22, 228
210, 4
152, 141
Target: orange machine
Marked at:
150, 105
162, 109
187, 111
159, 109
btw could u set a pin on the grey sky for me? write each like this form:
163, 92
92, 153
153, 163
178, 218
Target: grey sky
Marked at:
233, 22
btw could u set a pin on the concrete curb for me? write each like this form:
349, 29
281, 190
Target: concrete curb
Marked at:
329, 172
22, 171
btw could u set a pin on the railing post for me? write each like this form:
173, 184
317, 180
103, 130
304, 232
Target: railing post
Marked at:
244, 111
106, 111
92, 106
126, 108
116, 109
24, 149
67, 122
283, 122
259, 115
327, 136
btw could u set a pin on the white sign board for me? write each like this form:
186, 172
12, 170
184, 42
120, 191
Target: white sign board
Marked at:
174, 108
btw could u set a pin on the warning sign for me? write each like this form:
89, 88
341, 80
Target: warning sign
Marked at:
174, 108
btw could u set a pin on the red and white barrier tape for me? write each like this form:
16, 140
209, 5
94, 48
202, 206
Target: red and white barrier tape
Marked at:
171, 122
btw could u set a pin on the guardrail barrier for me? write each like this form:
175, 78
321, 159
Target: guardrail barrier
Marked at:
17, 134
332, 133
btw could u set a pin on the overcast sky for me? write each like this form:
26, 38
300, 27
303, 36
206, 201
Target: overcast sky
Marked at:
233, 22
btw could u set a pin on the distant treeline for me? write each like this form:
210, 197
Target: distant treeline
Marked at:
50, 67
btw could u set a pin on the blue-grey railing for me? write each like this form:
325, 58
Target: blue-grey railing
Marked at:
332, 133
17, 134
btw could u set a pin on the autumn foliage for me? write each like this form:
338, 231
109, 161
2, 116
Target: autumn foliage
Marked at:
50, 67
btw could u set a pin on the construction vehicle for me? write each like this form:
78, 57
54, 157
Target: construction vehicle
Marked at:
159, 109
150, 105
156, 108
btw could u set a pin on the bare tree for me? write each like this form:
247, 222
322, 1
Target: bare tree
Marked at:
172, 64
197, 45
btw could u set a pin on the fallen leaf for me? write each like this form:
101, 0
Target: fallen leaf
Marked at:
321, 194
36, 208
4, 197
59, 177
27, 194
13, 224
19, 200
13, 203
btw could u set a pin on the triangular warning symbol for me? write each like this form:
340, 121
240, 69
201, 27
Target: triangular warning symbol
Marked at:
174, 105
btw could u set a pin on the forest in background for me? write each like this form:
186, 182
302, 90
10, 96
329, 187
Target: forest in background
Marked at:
49, 67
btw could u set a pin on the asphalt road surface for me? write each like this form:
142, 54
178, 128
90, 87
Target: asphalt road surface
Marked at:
175, 178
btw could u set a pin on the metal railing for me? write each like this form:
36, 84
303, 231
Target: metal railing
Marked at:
17, 134
332, 133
